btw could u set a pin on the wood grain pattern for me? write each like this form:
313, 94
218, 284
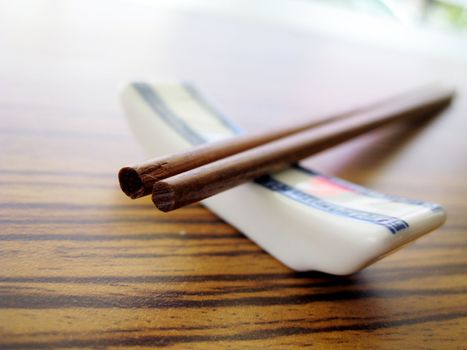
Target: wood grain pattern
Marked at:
82, 266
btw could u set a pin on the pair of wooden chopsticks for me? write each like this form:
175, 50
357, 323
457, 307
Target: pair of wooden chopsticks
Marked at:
203, 171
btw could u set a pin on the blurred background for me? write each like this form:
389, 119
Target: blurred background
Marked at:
441, 14
274, 59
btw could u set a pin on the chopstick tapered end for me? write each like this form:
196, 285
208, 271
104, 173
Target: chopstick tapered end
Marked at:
163, 196
131, 183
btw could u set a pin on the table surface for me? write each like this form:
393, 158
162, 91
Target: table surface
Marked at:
83, 266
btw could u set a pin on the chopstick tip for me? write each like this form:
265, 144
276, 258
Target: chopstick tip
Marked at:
163, 196
130, 182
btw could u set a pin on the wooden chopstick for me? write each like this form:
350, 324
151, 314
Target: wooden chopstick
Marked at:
212, 178
138, 180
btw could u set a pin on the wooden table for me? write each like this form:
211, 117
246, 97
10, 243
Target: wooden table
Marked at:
82, 266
